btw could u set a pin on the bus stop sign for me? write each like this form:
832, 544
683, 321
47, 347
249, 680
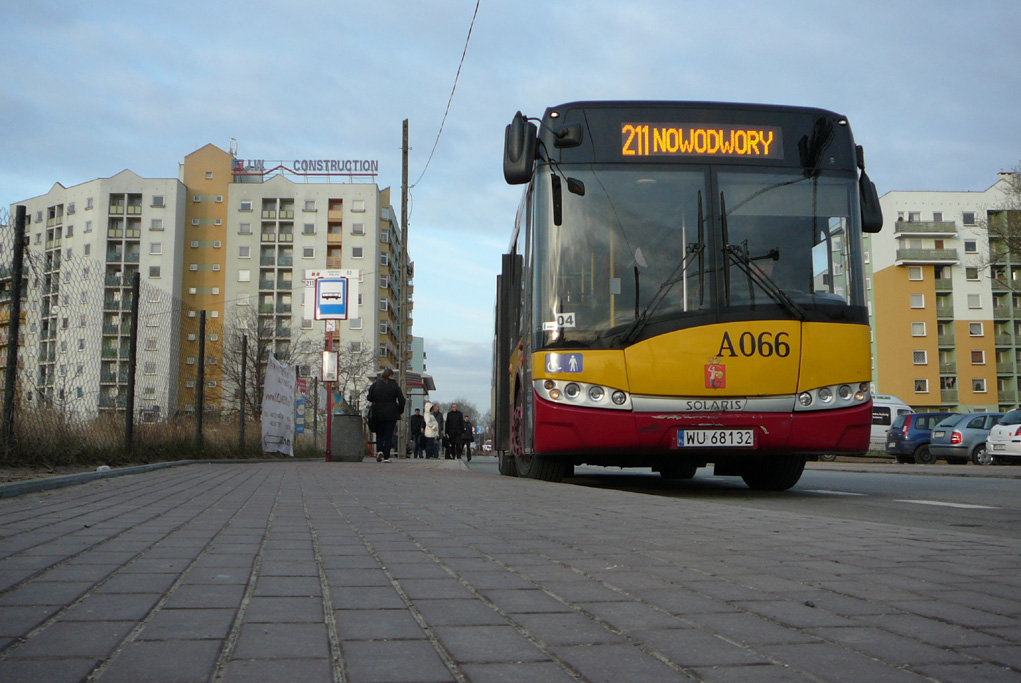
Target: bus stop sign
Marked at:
331, 299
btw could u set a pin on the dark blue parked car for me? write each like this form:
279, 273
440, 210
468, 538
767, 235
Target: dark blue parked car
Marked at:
907, 439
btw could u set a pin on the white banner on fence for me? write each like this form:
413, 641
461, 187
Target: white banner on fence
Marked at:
278, 408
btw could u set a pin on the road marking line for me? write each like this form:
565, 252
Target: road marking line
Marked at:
963, 506
835, 493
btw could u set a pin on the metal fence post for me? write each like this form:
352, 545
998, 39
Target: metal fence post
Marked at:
13, 329
200, 381
244, 375
129, 409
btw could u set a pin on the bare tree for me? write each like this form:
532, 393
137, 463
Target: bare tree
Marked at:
355, 366
263, 336
1003, 225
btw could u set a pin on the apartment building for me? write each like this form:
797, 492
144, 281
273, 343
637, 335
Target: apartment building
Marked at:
946, 322
230, 238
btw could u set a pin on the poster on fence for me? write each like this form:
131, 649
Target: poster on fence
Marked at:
278, 408
299, 407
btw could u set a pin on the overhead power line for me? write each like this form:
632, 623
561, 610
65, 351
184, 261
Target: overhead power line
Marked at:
451, 98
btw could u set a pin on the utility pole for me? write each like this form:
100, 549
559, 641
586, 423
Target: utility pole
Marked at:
402, 316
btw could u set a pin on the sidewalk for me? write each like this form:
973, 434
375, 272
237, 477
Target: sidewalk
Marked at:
427, 571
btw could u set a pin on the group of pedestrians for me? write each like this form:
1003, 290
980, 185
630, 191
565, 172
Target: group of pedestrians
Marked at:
429, 432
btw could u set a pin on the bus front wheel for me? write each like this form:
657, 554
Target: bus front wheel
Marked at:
541, 467
774, 473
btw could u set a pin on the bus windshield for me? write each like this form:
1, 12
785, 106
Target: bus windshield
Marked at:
675, 245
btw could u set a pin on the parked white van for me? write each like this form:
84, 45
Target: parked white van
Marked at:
885, 409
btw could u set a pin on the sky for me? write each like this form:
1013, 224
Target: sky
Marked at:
932, 90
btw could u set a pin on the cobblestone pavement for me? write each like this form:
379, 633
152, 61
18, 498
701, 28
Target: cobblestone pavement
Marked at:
426, 571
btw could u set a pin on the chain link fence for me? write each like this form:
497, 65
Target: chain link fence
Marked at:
101, 366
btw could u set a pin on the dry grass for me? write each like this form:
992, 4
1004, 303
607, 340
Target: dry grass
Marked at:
46, 440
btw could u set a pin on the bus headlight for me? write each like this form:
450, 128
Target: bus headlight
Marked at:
824, 398
581, 394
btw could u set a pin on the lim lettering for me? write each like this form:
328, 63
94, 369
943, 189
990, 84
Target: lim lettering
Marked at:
708, 140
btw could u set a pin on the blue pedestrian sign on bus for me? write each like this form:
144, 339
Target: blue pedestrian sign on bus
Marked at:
331, 299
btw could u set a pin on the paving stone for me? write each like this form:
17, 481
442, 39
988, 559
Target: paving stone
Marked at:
76, 639
487, 644
524, 601
613, 663
48, 670
458, 613
169, 661
189, 624
205, 596
295, 586
284, 610
377, 624
517, 672
366, 597
277, 671
690, 647
276, 641
394, 661
834, 663
113, 607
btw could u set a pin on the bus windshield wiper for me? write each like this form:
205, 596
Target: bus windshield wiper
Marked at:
679, 272
738, 255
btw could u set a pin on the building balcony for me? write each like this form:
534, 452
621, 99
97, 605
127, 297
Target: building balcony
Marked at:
944, 285
333, 262
1008, 396
945, 311
1003, 340
947, 368
269, 213
948, 396
265, 284
945, 340
269, 237
267, 261
1005, 368
285, 261
926, 256
925, 228
1002, 311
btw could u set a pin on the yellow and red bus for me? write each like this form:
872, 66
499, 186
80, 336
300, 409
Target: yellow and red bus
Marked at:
684, 286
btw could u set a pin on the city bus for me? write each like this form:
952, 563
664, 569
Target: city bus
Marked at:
684, 287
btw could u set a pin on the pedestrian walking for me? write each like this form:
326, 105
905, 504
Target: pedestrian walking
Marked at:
467, 436
387, 401
431, 433
417, 426
453, 427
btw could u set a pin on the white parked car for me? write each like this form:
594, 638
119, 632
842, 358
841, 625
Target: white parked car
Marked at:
1004, 440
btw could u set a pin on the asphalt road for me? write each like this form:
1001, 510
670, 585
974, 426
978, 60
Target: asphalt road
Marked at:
984, 500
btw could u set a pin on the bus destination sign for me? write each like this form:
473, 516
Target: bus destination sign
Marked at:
716, 140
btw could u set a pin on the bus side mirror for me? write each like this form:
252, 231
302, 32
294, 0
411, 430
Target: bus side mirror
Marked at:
871, 211
519, 145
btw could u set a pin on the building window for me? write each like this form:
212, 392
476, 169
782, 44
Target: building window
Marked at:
919, 358
245, 229
150, 368
384, 281
154, 272
358, 206
245, 252
382, 327
384, 236
971, 273
246, 205
219, 199
70, 209
917, 329
242, 299
244, 275
356, 252
978, 357
384, 305
917, 301
921, 386
914, 272
308, 252
970, 247
974, 329
156, 224
357, 228
209, 175
196, 198
384, 259
310, 205
974, 301
937, 216
88, 226
70, 231
150, 344
306, 323
155, 248
978, 385
968, 218
310, 229
195, 221
356, 323
157, 200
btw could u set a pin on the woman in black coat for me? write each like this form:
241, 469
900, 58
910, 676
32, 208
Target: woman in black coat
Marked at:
387, 401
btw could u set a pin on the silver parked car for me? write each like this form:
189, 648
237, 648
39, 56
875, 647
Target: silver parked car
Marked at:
1004, 440
960, 438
